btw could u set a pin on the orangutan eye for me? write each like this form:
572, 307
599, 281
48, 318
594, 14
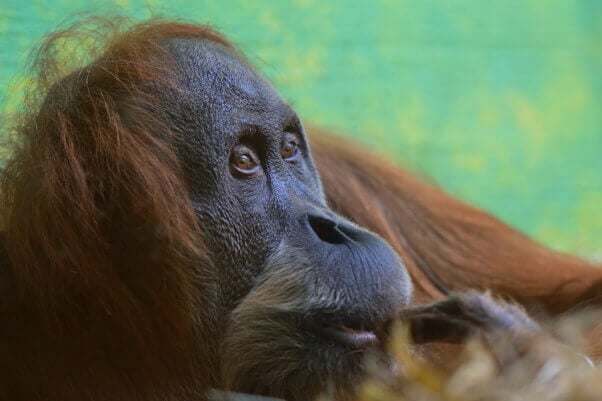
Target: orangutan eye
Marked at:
244, 160
290, 149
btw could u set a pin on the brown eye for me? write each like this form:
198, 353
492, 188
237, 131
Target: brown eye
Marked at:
243, 160
290, 149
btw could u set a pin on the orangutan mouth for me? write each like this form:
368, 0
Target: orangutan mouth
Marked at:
356, 337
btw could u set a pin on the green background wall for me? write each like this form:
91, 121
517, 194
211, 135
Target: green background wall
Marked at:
497, 101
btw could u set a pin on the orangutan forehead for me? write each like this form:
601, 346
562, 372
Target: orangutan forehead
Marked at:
212, 69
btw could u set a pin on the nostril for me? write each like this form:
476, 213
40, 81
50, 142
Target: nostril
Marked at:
326, 230
351, 232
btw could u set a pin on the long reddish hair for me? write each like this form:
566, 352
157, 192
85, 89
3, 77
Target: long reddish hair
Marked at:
98, 225
448, 245
101, 234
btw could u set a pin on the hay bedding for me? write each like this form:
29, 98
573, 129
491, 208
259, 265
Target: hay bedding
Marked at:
547, 371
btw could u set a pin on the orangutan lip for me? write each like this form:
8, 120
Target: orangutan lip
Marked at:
358, 339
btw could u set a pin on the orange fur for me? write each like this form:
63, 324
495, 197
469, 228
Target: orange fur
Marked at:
448, 245
96, 280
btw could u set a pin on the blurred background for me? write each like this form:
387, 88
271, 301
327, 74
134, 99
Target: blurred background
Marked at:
499, 102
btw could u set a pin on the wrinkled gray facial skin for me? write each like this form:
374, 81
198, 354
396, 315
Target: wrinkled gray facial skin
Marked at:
291, 276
